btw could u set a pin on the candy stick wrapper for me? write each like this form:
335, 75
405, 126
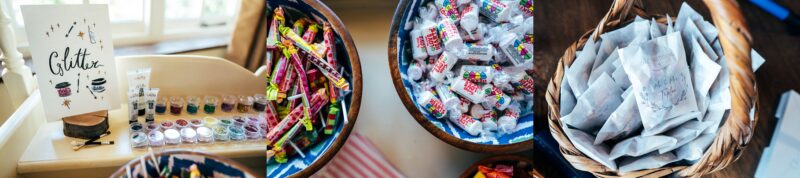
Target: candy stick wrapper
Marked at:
302, 81
294, 116
327, 70
277, 21
276, 78
298, 26
310, 53
271, 116
333, 113
311, 32
448, 9
330, 55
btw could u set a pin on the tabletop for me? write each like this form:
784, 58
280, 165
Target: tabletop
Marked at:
771, 39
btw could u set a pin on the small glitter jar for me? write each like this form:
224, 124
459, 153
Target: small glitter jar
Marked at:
263, 127
182, 123
192, 104
251, 131
195, 123
175, 105
167, 125
245, 103
228, 101
156, 138
138, 140
136, 127
188, 135
152, 126
238, 120
225, 122
172, 136
221, 133
252, 119
237, 133
161, 105
210, 121
260, 102
205, 135
211, 104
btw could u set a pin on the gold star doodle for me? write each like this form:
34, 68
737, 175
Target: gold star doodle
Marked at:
47, 33
66, 103
80, 34
51, 28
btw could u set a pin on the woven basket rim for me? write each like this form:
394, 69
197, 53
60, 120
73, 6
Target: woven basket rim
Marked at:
707, 164
394, 68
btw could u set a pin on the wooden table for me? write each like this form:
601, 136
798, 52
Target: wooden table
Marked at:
559, 23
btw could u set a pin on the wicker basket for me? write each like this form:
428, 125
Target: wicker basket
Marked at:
181, 160
349, 59
398, 53
737, 129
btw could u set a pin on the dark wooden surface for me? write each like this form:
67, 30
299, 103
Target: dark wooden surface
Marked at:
559, 23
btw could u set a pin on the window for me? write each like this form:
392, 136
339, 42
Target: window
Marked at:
147, 21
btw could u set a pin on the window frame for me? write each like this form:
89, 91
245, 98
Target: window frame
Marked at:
152, 28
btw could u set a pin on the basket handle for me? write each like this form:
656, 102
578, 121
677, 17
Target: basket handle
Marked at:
738, 129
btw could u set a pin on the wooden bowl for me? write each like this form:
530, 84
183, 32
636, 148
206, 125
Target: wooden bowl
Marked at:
324, 151
400, 55
506, 159
737, 129
177, 160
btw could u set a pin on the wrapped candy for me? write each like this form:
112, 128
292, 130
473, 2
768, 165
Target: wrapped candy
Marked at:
449, 99
277, 21
469, 17
475, 34
428, 29
514, 49
477, 74
308, 52
526, 6
451, 38
467, 122
328, 40
415, 70
474, 51
508, 122
277, 76
448, 9
443, 64
433, 105
495, 97
302, 81
494, 9
419, 48
311, 32
468, 90
333, 113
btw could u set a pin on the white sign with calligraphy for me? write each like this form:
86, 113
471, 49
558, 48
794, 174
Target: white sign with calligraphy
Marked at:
73, 57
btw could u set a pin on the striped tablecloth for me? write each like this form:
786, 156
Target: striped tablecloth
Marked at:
358, 158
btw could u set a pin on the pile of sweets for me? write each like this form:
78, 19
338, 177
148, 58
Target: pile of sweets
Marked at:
648, 94
472, 63
518, 170
306, 85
